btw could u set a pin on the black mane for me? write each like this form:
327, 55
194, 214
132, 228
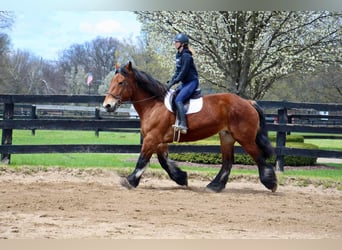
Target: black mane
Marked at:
146, 82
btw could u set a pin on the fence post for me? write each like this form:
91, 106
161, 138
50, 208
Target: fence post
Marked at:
33, 116
7, 133
97, 116
281, 139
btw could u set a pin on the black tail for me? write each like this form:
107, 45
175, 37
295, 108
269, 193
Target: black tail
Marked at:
262, 139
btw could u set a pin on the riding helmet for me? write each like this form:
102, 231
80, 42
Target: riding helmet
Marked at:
181, 37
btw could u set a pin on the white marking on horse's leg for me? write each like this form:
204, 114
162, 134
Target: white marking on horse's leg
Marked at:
139, 172
224, 175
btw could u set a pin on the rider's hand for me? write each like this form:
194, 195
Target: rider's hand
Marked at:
169, 84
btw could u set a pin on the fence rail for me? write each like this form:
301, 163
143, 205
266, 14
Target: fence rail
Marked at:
97, 121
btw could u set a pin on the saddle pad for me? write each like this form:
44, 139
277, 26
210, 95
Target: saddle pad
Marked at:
195, 105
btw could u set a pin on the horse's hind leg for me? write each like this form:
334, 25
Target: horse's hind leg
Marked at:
227, 151
175, 173
266, 172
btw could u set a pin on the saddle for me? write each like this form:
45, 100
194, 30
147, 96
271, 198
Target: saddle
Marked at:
193, 105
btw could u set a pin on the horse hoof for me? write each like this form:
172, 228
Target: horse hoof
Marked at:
274, 188
125, 183
209, 190
216, 188
183, 182
181, 178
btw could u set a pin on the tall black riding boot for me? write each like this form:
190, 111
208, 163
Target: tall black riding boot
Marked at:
181, 114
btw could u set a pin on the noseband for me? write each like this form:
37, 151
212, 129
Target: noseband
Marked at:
118, 97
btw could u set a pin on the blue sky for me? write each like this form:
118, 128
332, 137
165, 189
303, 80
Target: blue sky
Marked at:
46, 33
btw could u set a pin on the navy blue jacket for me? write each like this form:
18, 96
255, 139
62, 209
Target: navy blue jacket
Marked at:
185, 68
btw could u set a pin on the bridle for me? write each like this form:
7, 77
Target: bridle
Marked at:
119, 96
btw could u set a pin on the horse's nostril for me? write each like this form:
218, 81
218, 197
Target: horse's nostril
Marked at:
107, 107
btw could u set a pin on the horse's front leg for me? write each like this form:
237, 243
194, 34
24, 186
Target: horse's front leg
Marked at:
132, 181
149, 146
175, 173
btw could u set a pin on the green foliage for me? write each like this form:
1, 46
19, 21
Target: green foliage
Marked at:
295, 141
243, 159
289, 138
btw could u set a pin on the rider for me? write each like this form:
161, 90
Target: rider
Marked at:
186, 73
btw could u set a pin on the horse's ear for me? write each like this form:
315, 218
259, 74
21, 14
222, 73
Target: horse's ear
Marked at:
129, 66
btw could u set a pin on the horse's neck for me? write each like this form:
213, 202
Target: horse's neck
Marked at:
144, 104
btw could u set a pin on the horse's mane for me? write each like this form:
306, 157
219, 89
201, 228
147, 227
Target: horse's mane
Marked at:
146, 82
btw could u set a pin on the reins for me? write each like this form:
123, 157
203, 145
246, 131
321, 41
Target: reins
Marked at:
143, 100
118, 97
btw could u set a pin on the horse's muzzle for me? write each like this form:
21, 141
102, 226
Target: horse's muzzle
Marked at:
112, 106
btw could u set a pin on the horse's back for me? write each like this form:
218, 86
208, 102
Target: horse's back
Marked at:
229, 100
237, 110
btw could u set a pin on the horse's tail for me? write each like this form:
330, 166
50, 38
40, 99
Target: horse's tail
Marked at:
262, 139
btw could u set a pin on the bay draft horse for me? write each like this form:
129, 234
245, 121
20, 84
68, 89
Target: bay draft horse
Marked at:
232, 117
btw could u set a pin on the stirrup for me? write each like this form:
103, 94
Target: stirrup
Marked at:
177, 130
180, 128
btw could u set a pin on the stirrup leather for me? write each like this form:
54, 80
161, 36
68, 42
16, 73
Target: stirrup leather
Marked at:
182, 129
178, 130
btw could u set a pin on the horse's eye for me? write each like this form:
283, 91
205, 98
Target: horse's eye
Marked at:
120, 83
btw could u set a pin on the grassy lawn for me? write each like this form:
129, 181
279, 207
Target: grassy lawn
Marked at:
328, 144
77, 160
25, 137
128, 161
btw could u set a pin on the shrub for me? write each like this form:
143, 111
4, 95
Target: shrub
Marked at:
215, 158
289, 138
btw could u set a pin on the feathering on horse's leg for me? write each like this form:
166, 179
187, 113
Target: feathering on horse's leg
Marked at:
267, 175
266, 171
175, 173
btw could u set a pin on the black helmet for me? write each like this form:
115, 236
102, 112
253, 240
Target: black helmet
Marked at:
181, 38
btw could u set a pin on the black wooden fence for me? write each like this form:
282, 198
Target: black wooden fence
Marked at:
19, 112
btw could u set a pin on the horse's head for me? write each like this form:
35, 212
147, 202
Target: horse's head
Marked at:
120, 88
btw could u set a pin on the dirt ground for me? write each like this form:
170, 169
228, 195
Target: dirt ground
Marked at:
68, 203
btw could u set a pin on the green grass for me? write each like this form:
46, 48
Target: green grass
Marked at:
74, 160
24, 137
128, 161
327, 144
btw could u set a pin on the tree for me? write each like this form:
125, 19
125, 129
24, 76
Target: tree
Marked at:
76, 81
245, 52
6, 21
24, 73
142, 56
329, 83
4, 55
97, 57
322, 86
